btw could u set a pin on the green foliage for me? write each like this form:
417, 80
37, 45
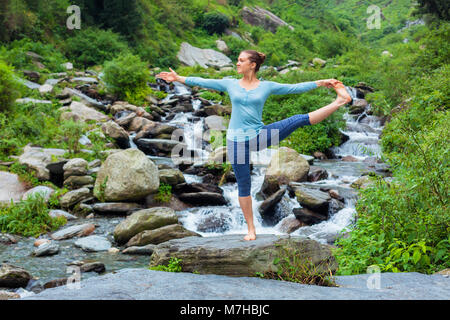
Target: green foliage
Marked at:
9, 87
215, 22
173, 266
72, 131
28, 217
92, 46
212, 96
15, 54
164, 193
294, 266
126, 76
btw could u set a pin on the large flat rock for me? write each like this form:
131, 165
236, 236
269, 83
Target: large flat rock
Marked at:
232, 255
143, 284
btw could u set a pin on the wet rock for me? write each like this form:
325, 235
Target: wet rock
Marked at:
144, 250
319, 155
362, 182
116, 208
85, 266
203, 198
93, 243
46, 249
113, 130
13, 276
73, 231
159, 147
56, 283
307, 216
5, 295
349, 159
313, 199
6, 238
214, 223
146, 219
159, 235
267, 208
171, 176
316, 174
126, 175
290, 224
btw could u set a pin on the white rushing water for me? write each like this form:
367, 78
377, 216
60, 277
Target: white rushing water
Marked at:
363, 133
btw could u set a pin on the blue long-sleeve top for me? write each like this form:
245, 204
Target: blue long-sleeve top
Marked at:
247, 105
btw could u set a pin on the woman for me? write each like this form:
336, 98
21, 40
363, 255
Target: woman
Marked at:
246, 132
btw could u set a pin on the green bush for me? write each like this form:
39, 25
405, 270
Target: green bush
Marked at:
28, 217
127, 76
215, 22
173, 266
93, 46
15, 54
9, 87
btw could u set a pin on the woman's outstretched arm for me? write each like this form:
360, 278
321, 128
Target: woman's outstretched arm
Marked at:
288, 88
216, 84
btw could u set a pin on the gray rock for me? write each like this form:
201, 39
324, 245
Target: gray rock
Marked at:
190, 55
267, 208
315, 200
73, 231
144, 250
119, 208
258, 16
34, 101
159, 235
46, 249
45, 191
127, 284
93, 243
13, 277
11, 188
171, 176
232, 255
78, 181
75, 196
203, 198
37, 159
75, 167
113, 130
86, 113
146, 219
61, 213
126, 175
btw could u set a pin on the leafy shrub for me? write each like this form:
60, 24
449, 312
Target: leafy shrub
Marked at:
173, 266
215, 22
92, 46
28, 217
126, 76
72, 131
9, 87
164, 193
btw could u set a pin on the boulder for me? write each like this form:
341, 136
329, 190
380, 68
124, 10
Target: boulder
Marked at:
75, 167
171, 176
116, 208
190, 56
203, 198
11, 188
144, 250
37, 159
317, 173
308, 217
290, 224
257, 16
313, 199
61, 213
285, 166
86, 113
126, 175
75, 182
113, 130
146, 219
159, 235
267, 208
75, 196
46, 249
93, 243
80, 230
231, 255
13, 277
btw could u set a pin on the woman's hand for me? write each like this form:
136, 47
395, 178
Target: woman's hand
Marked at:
168, 76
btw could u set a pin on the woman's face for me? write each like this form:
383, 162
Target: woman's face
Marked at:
244, 65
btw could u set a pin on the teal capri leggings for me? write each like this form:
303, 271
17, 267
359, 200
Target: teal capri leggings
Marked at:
239, 152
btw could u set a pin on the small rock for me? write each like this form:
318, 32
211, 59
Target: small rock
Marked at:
46, 249
93, 244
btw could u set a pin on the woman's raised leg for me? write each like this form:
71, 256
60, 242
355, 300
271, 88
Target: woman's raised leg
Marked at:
323, 113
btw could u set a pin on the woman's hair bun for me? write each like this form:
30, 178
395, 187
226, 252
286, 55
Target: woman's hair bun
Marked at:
262, 56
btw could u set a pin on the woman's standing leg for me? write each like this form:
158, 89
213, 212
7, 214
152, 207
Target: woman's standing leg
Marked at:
239, 156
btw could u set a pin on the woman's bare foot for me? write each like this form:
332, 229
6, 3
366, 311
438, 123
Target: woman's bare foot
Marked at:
343, 96
250, 236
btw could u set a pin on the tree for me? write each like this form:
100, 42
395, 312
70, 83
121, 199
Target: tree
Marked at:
438, 8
